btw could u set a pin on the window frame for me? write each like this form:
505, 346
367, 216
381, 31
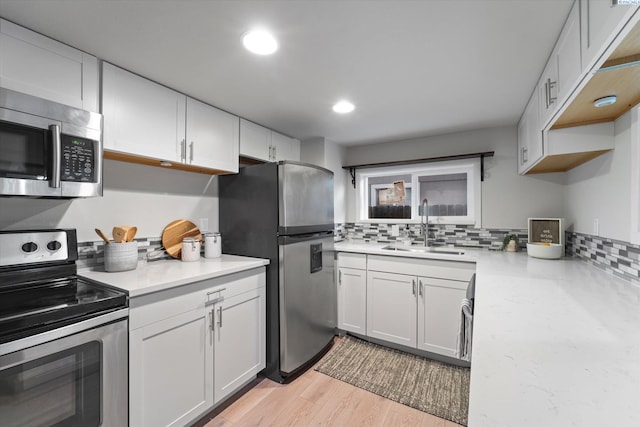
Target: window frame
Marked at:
471, 167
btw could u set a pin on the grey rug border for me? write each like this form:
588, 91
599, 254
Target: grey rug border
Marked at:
325, 367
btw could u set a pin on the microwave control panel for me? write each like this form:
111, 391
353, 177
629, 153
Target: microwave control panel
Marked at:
78, 159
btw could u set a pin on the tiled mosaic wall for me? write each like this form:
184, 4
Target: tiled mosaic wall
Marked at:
92, 253
439, 235
622, 259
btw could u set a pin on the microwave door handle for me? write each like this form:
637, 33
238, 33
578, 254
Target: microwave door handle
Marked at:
56, 152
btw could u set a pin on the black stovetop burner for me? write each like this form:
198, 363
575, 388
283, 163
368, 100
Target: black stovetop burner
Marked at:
41, 292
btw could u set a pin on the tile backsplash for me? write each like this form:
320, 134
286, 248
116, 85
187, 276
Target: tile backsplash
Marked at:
439, 235
619, 258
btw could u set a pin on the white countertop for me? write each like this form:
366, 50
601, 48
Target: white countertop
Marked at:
164, 274
555, 343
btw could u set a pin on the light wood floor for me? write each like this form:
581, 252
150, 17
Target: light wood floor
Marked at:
315, 399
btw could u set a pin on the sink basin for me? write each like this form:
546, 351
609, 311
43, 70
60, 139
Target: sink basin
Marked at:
424, 249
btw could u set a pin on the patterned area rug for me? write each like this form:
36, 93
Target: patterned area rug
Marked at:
430, 386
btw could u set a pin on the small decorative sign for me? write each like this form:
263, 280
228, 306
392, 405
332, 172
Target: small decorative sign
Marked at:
546, 230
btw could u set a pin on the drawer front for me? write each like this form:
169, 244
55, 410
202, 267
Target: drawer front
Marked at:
451, 270
351, 260
158, 306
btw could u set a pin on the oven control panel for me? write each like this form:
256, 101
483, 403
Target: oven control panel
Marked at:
19, 248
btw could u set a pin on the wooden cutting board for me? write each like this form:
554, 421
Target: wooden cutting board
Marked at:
173, 234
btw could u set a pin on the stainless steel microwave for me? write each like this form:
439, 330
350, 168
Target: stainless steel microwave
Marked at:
48, 149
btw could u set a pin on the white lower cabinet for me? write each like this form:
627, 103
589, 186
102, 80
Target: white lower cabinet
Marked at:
191, 347
438, 314
352, 300
239, 344
171, 370
413, 302
391, 307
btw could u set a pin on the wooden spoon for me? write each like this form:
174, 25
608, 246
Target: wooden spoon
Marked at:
104, 236
131, 233
120, 233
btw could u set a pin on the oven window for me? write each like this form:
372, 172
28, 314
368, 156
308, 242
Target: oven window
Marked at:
61, 389
23, 152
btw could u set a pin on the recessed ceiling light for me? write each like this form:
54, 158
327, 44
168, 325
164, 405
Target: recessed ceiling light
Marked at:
343, 107
260, 42
604, 101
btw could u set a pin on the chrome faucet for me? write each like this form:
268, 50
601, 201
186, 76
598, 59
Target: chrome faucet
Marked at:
424, 221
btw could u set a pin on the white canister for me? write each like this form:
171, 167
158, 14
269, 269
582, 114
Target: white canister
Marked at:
190, 249
212, 245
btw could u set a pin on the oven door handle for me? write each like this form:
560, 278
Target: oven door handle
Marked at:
56, 154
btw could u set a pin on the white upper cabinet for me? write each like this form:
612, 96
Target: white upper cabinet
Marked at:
212, 137
141, 117
600, 24
284, 148
529, 135
258, 142
37, 65
568, 55
560, 76
255, 141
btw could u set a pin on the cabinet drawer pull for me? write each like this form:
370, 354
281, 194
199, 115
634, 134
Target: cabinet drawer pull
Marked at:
183, 150
340, 278
220, 317
413, 285
215, 300
420, 287
211, 319
191, 150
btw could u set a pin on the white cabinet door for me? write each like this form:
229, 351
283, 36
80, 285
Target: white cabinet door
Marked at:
391, 307
568, 55
530, 147
439, 314
255, 141
212, 137
600, 23
284, 148
37, 65
240, 341
171, 370
141, 117
548, 90
352, 300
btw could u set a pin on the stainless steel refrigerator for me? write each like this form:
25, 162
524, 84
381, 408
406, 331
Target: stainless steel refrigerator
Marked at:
284, 211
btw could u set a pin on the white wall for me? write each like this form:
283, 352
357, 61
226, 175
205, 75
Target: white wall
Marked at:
327, 154
600, 189
144, 196
508, 199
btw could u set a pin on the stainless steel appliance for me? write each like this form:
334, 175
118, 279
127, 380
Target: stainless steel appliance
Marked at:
284, 211
63, 339
48, 149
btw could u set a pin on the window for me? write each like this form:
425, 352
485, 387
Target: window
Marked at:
451, 189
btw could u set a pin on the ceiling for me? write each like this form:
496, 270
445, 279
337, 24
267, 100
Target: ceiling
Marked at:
412, 68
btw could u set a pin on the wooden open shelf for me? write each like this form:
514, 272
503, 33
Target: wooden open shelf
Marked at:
622, 82
130, 158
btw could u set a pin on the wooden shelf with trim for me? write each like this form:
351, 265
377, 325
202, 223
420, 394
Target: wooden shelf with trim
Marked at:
130, 158
481, 156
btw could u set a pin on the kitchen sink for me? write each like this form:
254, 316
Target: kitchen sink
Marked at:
424, 249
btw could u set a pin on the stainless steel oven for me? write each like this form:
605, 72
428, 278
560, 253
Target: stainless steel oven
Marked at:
63, 338
48, 149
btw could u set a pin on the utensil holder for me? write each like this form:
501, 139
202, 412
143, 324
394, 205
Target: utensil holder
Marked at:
121, 256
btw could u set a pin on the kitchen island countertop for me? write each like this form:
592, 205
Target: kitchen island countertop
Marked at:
555, 342
160, 275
